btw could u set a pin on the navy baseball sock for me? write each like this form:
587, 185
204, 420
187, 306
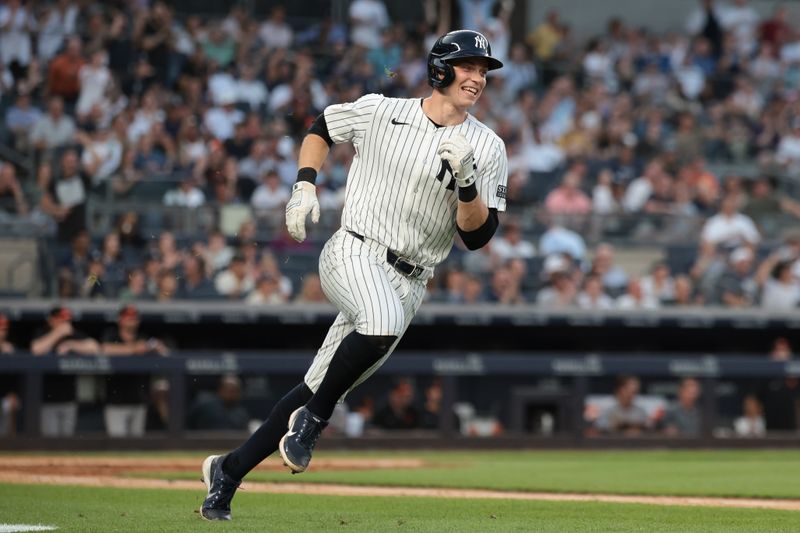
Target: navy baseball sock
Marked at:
264, 441
354, 356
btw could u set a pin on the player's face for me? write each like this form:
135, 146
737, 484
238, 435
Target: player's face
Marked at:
470, 80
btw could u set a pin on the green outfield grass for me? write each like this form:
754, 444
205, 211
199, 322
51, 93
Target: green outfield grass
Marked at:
765, 474
131, 511
761, 473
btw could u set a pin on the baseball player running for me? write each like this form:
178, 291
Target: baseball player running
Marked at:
424, 169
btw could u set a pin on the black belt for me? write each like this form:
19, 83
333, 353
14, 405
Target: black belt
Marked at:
406, 268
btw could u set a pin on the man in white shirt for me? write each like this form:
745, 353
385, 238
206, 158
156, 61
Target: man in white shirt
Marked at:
271, 194
187, 194
729, 228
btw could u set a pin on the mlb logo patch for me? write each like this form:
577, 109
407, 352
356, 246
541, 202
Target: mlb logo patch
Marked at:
501, 191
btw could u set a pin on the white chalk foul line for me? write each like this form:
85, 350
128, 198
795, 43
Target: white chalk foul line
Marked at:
14, 528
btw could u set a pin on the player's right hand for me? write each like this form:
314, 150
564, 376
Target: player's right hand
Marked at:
302, 202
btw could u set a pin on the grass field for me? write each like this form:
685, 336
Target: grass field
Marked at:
755, 474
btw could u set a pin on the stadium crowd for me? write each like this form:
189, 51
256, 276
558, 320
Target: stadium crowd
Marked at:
621, 135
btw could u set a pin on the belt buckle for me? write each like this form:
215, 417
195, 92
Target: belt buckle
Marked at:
397, 259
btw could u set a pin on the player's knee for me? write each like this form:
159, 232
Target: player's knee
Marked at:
381, 343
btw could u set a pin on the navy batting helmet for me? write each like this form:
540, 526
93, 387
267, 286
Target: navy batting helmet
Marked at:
454, 45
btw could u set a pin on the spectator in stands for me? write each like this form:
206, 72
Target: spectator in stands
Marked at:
787, 154
235, 282
751, 423
473, 292
765, 205
560, 240
58, 21
729, 228
16, 24
95, 82
592, 296
166, 285
136, 288
126, 394
20, 120
114, 266
399, 411
93, 285
54, 129
311, 290
614, 278
682, 417
271, 193
221, 120
169, 255
561, 289
153, 36
6, 348
101, 157
546, 36
194, 283
221, 410
448, 287
266, 292
63, 73
737, 286
65, 197
12, 199
780, 290
625, 416
275, 32
505, 287
60, 410
659, 284
568, 198
75, 264
685, 293
781, 396
367, 19
511, 244
218, 254
636, 298
187, 194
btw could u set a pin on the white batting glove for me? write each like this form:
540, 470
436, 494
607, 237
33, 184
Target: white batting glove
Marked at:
302, 202
458, 153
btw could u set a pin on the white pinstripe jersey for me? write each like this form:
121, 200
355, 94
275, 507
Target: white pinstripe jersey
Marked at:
397, 191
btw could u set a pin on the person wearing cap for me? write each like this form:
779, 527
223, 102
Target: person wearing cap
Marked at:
59, 337
561, 288
737, 286
126, 395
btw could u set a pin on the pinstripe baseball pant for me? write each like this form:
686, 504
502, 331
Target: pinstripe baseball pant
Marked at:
372, 297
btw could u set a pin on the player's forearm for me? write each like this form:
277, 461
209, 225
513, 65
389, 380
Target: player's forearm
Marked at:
471, 215
313, 152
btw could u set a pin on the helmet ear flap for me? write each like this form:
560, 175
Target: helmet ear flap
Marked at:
435, 67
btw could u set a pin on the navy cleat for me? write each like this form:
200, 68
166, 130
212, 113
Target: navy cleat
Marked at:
221, 488
298, 444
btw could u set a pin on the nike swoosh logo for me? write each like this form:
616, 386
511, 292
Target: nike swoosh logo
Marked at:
394, 121
291, 433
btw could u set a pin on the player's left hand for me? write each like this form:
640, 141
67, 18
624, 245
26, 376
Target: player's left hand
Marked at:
459, 154
302, 202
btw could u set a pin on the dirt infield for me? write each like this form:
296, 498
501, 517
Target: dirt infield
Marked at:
111, 472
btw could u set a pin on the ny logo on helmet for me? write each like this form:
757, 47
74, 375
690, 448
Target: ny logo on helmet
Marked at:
480, 42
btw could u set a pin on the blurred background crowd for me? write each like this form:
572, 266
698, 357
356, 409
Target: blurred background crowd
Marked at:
153, 150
